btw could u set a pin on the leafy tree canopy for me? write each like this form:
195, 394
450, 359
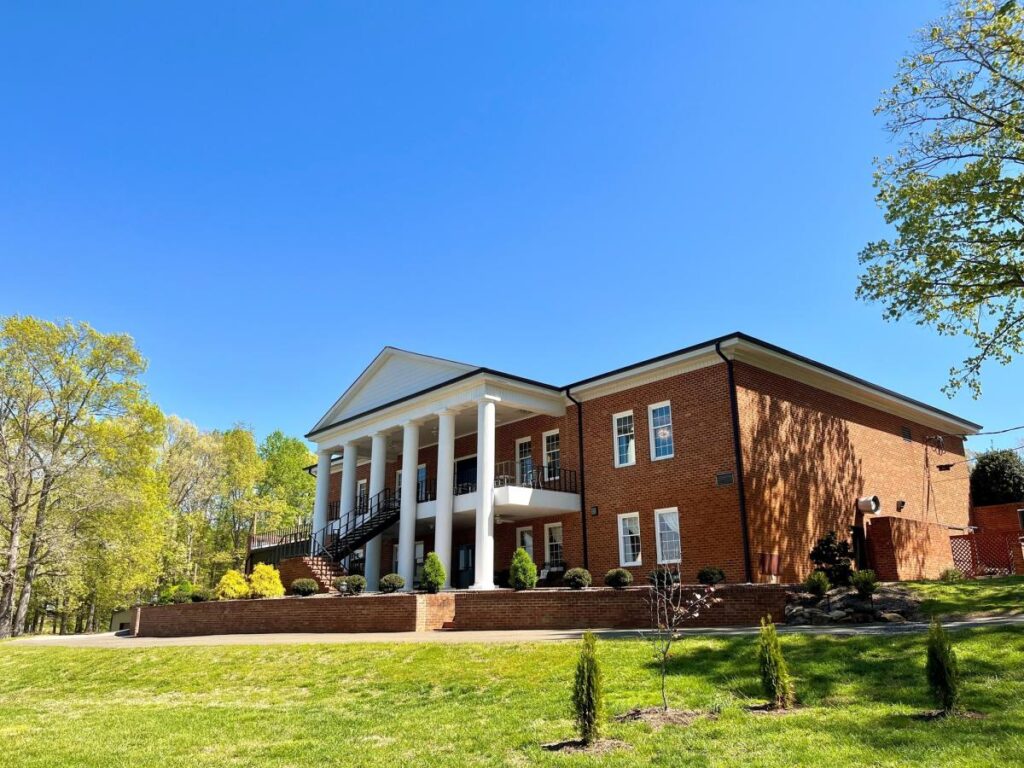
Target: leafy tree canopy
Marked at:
954, 190
998, 478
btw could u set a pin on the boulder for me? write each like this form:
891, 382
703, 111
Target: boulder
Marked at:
836, 615
891, 617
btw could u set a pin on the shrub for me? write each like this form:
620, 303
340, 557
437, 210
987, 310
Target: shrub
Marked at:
833, 557
175, 593
304, 587
952, 574
577, 578
265, 581
179, 596
710, 575
232, 586
433, 573
341, 584
201, 595
355, 583
662, 577
943, 669
775, 680
618, 578
817, 584
865, 582
391, 582
588, 692
522, 574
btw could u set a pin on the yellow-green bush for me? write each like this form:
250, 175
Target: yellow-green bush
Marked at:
232, 586
265, 581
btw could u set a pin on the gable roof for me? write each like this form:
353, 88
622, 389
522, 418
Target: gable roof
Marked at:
393, 374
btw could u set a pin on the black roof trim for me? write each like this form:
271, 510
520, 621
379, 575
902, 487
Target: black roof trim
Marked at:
461, 377
740, 336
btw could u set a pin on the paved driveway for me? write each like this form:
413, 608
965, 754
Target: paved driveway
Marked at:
112, 640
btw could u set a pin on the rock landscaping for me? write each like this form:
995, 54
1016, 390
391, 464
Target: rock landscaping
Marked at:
892, 603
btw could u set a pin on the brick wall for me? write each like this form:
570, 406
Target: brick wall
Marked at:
902, 549
808, 455
998, 518
599, 608
365, 613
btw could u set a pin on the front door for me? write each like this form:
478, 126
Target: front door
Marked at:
465, 475
464, 566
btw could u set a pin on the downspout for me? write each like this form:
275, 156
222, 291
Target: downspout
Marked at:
738, 453
583, 476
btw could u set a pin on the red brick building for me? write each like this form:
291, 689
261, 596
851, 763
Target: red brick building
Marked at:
731, 453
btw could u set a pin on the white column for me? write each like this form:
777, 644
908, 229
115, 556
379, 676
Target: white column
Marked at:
484, 572
445, 491
323, 487
349, 463
407, 521
378, 470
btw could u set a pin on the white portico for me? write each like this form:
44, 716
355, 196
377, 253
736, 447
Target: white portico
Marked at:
405, 404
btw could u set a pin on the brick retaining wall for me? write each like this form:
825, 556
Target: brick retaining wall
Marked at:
742, 605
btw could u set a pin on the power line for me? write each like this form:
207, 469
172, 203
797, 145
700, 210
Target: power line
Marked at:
947, 467
996, 432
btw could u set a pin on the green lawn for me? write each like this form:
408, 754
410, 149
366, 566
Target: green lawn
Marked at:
972, 598
433, 704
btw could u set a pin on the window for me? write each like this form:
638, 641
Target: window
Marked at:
524, 460
362, 496
666, 528
659, 419
625, 439
421, 482
552, 455
1020, 514
629, 539
524, 539
553, 546
417, 562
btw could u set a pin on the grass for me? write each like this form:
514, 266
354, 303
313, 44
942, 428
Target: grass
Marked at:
470, 705
980, 597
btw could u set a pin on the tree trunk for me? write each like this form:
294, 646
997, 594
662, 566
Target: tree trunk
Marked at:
10, 573
32, 561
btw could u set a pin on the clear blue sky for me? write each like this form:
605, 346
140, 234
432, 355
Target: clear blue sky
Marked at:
265, 194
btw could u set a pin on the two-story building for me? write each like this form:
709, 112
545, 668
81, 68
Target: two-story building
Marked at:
732, 453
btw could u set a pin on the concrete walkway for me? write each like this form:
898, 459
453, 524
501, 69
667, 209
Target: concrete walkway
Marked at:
112, 640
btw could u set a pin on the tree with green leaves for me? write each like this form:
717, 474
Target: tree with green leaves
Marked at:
285, 477
997, 478
954, 190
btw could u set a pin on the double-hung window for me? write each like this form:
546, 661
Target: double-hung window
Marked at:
659, 419
553, 545
524, 539
666, 529
629, 539
625, 439
552, 455
362, 496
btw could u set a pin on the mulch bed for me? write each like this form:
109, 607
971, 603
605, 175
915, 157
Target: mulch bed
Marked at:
768, 709
575, 746
657, 717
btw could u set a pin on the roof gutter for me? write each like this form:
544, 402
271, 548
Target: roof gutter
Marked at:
738, 455
583, 475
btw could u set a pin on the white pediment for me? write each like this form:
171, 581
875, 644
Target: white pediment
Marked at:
392, 375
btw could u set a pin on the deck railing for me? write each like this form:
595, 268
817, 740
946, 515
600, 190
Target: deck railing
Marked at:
547, 477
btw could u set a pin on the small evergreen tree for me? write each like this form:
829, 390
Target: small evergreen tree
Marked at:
997, 478
232, 586
391, 582
943, 669
355, 584
832, 557
865, 582
522, 573
305, 587
265, 581
588, 693
817, 584
433, 573
775, 679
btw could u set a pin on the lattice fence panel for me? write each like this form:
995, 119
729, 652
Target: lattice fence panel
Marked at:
985, 554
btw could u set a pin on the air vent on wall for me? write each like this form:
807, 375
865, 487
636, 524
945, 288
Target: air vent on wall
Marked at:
724, 478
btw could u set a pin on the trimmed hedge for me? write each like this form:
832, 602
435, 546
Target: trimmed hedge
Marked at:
618, 578
391, 582
304, 587
577, 578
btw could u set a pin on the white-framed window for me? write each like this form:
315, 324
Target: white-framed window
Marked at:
666, 534
524, 539
629, 539
421, 481
524, 460
362, 494
659, 419
552, 455
553, 552
417, 564
624, 431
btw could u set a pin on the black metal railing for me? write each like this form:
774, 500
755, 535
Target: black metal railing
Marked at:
342, 537
426, 490
548, 477
281, 538
468, 486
